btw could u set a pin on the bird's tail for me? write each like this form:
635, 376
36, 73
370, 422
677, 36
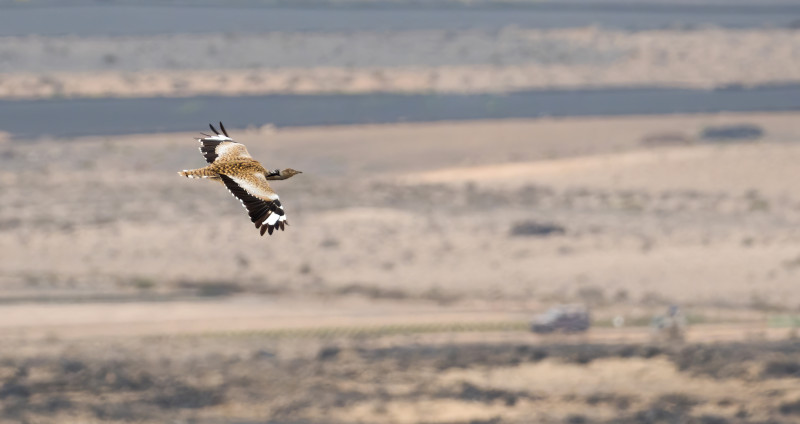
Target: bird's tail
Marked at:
199, 173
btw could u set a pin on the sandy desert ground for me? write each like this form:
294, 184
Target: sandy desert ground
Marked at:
251, 380
420, 211
417, 253
400, 291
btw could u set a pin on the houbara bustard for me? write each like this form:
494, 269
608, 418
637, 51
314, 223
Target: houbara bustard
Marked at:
230, 163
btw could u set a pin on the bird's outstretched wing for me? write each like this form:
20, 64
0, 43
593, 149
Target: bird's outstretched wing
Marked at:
220, 147
257, 197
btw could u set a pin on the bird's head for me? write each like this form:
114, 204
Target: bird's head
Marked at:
288, 172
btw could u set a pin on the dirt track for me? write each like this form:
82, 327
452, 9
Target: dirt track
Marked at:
286, 318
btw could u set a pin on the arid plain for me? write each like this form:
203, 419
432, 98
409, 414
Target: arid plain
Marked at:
417, 252
434, 241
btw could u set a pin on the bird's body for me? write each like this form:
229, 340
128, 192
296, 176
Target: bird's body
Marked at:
243, 167
231, 164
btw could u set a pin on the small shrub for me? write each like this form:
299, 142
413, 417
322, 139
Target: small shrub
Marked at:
53, 404
212, 288
440, 296
592, 295
739, 132
666, 139
70, 366
621, 296
472, 393
188, 397
12, 389
712, 419
652, 298
536, 229
673, 407
537, 355
371, 292
781, 368
622, 402
761, 303
119, 411
576, 419
142, 283
328, 353
650, 351
790, 408
677, 401
329, 243
494, 420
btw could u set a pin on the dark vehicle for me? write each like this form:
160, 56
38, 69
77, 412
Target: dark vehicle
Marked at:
564, 318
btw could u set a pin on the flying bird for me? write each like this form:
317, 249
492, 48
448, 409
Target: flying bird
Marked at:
231, 164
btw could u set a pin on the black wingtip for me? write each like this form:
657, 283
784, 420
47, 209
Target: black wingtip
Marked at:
270, 229
213, 129
205, 135
222, 127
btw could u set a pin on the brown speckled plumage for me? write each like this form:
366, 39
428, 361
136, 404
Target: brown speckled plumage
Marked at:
231, 164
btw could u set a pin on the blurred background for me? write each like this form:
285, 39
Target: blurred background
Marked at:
510, 212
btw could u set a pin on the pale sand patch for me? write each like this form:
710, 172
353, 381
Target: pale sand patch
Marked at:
632, 376
412, 80
730, 167
566, 389
428, 410
762, 168
387, 216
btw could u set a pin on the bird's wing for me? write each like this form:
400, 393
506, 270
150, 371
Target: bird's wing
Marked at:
263, 204
221, 148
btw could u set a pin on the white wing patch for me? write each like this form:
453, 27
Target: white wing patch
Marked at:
274, 218
218, 137
220, 148
231, 150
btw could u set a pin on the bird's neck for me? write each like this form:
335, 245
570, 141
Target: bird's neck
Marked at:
281, 175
